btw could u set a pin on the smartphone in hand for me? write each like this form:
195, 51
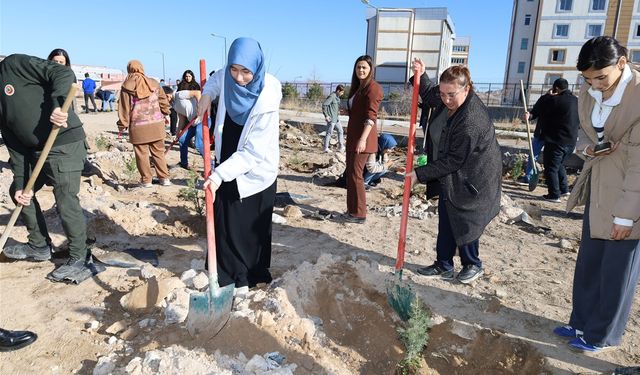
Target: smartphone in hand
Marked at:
602, 147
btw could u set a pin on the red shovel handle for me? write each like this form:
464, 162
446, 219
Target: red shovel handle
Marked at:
208, 197
180, 135
402, 240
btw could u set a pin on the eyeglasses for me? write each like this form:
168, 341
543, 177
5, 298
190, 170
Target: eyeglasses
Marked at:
451, 95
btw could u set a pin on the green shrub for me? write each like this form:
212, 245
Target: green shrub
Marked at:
315, 92
192, 194
414, 335
289, 91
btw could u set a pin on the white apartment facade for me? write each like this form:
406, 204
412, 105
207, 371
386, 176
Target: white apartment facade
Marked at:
395, 36
460, 51
546, 36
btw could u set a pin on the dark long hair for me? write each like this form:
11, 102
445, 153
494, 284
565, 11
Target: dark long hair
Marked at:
600, 52
60, 52
355, 82
184, 85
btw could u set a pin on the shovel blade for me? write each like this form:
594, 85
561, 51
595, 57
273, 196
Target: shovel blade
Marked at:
209, 311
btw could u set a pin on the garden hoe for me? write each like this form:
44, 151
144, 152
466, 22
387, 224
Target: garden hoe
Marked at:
38, 167
401, 296
209, 311
533, 179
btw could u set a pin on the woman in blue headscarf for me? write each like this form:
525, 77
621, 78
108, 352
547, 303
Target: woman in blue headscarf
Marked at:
243, 181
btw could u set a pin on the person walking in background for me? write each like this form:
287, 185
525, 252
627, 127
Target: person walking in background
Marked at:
378, 164
89, 88
608, 263
188, 82
247, 156
558, 113
362, 135
143, 105
331, 112
469, 171
43, 86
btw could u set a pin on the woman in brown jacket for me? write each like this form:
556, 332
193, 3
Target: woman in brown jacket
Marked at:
608, 263
141, 109
362, 134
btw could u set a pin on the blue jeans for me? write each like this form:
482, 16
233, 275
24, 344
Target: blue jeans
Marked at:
193, 131
111, 99
368, 176
537, 145
327, 138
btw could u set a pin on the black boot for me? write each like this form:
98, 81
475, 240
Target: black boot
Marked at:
12, 340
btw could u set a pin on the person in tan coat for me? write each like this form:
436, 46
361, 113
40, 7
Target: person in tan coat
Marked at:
142, 107
608, 263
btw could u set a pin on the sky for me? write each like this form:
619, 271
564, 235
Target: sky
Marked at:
301, 40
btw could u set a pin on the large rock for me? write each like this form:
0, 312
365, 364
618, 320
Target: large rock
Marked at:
150, 295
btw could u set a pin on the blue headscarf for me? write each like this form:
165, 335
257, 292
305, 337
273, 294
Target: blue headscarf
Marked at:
239, 100
386, 141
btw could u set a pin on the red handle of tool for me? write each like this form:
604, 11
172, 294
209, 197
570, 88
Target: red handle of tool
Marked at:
402, 240
208, 197
180, 135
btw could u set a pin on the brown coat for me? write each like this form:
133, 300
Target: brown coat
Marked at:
148, 132
614, 187
365, 106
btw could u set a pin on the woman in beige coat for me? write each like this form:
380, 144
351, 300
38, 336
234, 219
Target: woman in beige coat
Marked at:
608, 262
141, 109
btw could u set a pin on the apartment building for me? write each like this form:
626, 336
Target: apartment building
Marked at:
460, 51
395, 36
546, 36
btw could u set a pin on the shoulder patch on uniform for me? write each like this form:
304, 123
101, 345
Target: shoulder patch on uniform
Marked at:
9, 90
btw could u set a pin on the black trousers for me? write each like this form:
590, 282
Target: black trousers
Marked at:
604, 285
554, 171
243, 235
446, 243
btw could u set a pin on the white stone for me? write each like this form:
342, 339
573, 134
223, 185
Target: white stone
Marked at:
257, 365
112, 340
92, 325
142, 204
500, 293
566, 244
148, 271
177, 306
106, 365
277, 219
200, 281
187, 277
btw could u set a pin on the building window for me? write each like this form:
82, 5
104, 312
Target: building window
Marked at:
524, 43
458, 61
557, 56
636, 34
598, 5
564, 5
593, 31
635, 56
459, 48
550, 78
521, 67
561, 31
527, 19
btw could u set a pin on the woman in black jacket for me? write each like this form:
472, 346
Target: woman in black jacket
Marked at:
468, 169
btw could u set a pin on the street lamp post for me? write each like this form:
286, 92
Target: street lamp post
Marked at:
225, 46
164, 78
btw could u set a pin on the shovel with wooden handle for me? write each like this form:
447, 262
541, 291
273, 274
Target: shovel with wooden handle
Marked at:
38, 167
209, 311
533, 179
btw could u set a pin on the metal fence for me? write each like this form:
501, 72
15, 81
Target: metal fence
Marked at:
397, 99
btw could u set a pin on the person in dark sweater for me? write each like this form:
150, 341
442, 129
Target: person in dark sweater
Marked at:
468, 169
33, 92
559, 115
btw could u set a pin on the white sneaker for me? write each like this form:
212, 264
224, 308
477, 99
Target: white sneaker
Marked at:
165, 182
146, 185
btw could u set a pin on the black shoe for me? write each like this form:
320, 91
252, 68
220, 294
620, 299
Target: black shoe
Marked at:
436, 270
76, 270
353, 219
469, 273
12, 340
551, 198
28, 252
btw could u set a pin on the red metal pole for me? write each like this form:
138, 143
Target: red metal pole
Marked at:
208, 197
402, 240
